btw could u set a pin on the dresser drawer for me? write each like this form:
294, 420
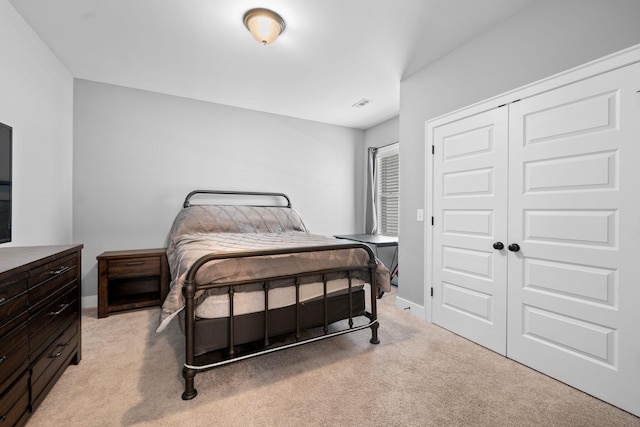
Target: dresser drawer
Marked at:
13, 323
13, 297
47, 323
59, 349
51, 278
14, 402
14, 352
52, 269
134, 267
13, 308
52, 362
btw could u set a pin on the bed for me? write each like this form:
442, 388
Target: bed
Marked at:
250, 279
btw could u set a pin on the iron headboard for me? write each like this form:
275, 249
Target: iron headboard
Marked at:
187, 200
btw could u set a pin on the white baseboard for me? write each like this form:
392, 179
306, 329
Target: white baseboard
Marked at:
411, 308
90, 301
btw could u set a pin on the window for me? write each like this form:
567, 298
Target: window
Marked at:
388, 171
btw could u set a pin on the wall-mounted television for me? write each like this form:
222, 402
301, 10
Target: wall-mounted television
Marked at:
5, 183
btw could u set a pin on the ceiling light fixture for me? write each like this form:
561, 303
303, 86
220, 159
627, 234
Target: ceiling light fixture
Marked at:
264, 25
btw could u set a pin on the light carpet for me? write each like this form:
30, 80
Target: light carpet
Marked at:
419, 375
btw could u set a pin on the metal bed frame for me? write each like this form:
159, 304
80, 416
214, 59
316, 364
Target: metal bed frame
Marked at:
191, 368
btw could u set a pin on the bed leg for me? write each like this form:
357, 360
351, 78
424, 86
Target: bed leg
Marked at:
374, 334
189, 290
189, 390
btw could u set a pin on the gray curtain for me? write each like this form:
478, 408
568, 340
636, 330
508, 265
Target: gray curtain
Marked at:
371, 220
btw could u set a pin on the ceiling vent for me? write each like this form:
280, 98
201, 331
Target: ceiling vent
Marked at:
362, 103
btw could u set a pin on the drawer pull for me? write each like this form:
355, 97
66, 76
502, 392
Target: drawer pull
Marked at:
134, 263
2, 418
2, 300
2, 359
62, 269
62, 308
58, 354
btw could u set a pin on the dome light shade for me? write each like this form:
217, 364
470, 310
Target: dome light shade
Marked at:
265, 25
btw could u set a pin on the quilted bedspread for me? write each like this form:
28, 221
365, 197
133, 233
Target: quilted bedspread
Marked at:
202, 230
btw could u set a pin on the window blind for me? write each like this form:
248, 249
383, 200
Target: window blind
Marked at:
388, 193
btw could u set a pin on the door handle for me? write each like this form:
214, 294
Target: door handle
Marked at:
498, 246
514, 247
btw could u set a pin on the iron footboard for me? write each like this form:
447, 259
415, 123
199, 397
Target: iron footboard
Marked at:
190, 288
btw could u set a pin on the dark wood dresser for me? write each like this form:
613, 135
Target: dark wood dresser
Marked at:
40, 294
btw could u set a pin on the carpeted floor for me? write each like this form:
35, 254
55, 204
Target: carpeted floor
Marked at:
418, 375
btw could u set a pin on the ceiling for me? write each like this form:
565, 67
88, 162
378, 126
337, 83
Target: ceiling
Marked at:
332, 53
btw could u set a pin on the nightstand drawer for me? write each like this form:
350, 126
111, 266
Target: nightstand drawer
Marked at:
134, 267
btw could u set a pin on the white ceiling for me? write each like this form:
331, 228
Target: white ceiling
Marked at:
332, 54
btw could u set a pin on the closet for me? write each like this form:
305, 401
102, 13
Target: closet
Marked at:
534, 251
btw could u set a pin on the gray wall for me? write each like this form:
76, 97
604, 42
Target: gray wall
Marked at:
547, 38
385, 133
36, 96
137, 154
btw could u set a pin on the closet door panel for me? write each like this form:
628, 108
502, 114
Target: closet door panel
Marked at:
470, 188
575, 212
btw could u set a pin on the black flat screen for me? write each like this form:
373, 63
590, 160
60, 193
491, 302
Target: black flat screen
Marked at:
5, 183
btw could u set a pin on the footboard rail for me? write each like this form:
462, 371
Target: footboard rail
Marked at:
191, 287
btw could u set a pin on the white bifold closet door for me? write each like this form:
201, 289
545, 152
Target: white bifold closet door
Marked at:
470, 174
564, 186
574, 208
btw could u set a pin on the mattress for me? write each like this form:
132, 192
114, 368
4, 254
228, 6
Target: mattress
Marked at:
216, 306
205, 230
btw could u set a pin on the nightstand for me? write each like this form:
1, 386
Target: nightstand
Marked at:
128, 280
